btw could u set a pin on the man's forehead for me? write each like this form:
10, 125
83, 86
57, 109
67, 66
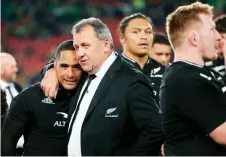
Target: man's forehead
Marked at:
65, 62
148, 26
83, 36
85, 30
72, 61
207, 19
139, 23
67, 54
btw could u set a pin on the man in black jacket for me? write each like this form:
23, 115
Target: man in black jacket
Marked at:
40, 119
136, 36
114, 112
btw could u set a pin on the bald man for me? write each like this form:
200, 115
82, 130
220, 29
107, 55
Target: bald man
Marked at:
8, 70
8, 73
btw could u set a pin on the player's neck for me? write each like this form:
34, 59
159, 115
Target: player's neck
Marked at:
141, 60
189, 55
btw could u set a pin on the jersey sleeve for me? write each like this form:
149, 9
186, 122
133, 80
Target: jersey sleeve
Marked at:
20, 112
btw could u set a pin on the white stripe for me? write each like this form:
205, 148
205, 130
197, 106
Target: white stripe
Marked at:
200, 66
208, 78
219, 68
128, 58
156, 75
224, 89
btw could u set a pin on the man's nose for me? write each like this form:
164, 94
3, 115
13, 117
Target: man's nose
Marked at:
143, 35
217, 36
70, 72
80, 52
164, 59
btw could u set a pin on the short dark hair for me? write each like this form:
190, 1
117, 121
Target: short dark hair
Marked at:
124, 23
101, 29
65, 45
161, 38
221, 23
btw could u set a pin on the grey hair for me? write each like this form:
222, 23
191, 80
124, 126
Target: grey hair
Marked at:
101, 29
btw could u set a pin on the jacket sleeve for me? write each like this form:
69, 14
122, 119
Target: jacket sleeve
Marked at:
48, 66
146, 116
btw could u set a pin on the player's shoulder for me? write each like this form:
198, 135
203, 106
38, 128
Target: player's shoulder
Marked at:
31, 91
181, 71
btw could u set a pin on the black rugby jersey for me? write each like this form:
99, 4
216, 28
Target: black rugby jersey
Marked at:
154, 70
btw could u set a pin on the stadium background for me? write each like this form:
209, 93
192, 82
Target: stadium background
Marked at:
32, 29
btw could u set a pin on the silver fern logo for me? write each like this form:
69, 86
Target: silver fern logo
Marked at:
110, 111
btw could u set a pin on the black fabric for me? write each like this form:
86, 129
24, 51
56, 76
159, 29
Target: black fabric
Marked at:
153, 70
9, 137
218, 66
18, 87
193, 103
42, 120
48, 66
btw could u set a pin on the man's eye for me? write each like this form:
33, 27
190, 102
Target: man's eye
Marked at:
86, 46
77, 67
63, 67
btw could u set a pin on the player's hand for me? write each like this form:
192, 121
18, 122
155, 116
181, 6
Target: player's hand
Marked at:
50, 84
162, 150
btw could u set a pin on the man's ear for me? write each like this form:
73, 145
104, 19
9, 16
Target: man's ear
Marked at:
193, 38
55, 63
121, 38
107, 45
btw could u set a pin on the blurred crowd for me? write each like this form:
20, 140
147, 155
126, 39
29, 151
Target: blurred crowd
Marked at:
38, 19
32, 29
